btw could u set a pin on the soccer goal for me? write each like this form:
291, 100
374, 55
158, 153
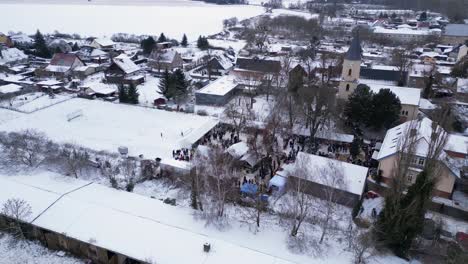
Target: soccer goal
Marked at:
74, 115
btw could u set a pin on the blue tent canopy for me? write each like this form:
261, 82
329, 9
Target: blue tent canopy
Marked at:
249, 188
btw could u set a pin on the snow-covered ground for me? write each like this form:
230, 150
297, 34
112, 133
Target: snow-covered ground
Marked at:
28, 103
30, 252
149, 91
106, 126
174, 18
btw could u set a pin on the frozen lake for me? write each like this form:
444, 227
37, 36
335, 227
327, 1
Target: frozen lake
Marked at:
106, 17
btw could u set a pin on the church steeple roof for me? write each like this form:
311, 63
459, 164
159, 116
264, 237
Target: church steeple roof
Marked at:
355, 50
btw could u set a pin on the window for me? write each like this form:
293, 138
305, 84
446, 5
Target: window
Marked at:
350, 72
421, 161
347, 87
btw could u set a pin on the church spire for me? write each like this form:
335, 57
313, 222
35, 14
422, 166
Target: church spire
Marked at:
355, 50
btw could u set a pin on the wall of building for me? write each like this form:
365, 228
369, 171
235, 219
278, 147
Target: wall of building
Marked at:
57, 241
321, 191
349, 82
444, 186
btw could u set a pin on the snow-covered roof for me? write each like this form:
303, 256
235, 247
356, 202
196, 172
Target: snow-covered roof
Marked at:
101, 88
11, 55
104, 42
321, 170
426, 104
462, 86
394, 139
141, 228
49, 83
220, 87
407, 95
10, 88
126, 64
57, 68
238, 150
401, 31
21, 38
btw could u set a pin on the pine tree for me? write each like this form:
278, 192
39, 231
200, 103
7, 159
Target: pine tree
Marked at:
358, 107
386, 109
402, 219
166, 85
75, 47
162, 38
123, 94
133, 95
355, 148
202, 43
180, 82
148, 45
40, 45
184, 41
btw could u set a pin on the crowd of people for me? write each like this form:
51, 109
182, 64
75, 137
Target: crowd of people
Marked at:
183, 154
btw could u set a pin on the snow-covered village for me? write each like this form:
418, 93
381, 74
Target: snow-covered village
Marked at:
233, 131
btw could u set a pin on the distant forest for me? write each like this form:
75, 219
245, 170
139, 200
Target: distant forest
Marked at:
456, 10
224, 2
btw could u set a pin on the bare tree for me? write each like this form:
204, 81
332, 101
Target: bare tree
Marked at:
332, 177
19, 211
401, 58
362, 246
128, 169
317, 107
110, 170
218, 176
299, 204
28, 147
76, 159
239, 113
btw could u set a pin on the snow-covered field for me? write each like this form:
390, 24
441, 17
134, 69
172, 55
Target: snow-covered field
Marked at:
28, 252
106, 126
174, 18
28, 103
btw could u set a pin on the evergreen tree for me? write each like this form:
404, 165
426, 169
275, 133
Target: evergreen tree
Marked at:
355, 148
123, 97
162, 38
358, 107
202, 43
180, 82
75, 47
423, 16
386, 109
166, 85
184, 41
148, 45
402, 220
133, 95
40, 46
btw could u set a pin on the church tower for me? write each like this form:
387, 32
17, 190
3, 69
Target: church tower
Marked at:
351, 69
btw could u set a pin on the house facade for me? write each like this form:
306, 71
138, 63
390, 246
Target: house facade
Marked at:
62, 65
162, 60
419, 133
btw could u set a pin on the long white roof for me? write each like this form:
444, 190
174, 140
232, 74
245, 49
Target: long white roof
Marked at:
407, 95
220, 87
320, 170
136, 226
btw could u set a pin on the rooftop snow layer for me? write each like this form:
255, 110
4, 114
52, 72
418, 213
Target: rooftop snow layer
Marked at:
10, 88
152, 230
320, 170
220, 87
407, 95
